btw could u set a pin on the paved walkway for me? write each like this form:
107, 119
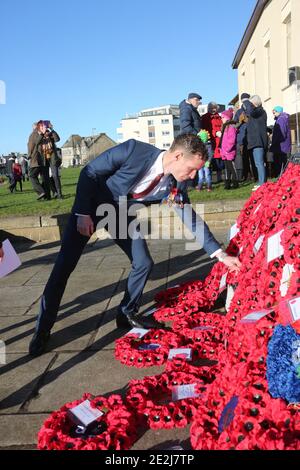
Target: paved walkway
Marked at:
80, 355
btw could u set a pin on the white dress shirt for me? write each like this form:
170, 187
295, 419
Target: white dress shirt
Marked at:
162, 186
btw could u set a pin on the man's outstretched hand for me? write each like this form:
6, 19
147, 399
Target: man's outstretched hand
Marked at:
232, 262
85, 225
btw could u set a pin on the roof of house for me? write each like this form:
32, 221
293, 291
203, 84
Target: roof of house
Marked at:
88, 140
258, 10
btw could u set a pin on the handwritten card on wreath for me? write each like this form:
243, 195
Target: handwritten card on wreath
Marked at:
275, 248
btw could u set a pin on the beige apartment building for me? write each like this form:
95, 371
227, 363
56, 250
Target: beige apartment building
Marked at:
268, 57
156, 126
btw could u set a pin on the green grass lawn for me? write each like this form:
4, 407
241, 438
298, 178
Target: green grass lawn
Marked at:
219, 193
25, 203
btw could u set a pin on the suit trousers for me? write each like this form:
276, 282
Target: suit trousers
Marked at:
72, 247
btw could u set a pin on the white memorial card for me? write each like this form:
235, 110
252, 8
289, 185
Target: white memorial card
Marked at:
275, 249
257, 208
140, 332
233, 231
254, 316
186, 352
84, 413
288, 270
258, 244
181, 392
294, 305
223, 282
10, 261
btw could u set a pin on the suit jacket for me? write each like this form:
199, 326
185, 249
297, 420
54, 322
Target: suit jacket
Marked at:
114, 173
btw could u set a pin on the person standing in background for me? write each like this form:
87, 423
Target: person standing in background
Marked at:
257, 138
228, 148
281, 139
212, 122
190, 123
52, 158
244, 158
37, 161
17, 174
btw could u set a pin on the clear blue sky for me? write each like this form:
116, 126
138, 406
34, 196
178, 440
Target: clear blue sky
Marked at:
84, 64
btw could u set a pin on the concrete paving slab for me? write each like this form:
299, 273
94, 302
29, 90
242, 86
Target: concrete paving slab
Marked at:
74, 374
15, 311
20, 430
164, 439
70, 332
19, 377
19, 277
20, 296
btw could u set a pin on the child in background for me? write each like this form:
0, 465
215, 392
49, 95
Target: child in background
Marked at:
204, 174
228, 148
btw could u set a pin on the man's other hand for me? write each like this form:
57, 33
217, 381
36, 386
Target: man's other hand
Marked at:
85, 225
1, 254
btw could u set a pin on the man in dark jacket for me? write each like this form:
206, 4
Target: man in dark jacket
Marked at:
190, 120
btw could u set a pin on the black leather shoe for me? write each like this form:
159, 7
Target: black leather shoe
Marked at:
122, 321
134, 321
38, 343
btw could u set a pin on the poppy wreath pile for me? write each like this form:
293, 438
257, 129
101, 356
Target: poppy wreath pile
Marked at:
150, 350
233, 406
118, 427
151, 397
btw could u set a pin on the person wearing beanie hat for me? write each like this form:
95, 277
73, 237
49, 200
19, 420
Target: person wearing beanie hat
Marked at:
281, 139
245, 96
228, 114
228, 148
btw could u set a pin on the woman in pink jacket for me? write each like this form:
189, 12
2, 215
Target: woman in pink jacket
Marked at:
228, 148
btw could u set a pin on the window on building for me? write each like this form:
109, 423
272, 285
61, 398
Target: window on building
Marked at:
176, 128
268, 69
151, 134
165, 121
165, 132
165, 146
288, 35
150, 122
120, 136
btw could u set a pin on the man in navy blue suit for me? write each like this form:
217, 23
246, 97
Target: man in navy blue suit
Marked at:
142, 173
